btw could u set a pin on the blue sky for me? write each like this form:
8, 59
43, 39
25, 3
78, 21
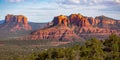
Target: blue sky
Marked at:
45, 10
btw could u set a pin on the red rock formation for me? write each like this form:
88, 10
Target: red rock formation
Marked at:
61, 33
90, 25
74, 26
18, 22
93, 22
16, 18
79, 20
105, 21
60, 20
8, 18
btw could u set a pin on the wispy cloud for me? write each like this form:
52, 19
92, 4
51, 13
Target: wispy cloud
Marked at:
86, 2
91, 4
80, 2
118, 1
15, 0
45, 10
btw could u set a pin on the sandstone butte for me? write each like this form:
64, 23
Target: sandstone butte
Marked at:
17, 22
75, 26
60, 20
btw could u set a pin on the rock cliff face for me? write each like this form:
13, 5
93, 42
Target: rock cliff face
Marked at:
106, 22
60, 20
61, 33
79, 20
16, 23
76, 26
93, 22
58, 31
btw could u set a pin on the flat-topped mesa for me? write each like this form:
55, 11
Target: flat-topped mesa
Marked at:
79, 20
60, 20
18, 22
16, 18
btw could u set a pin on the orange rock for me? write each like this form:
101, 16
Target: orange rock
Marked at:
93, 21
79, 20
8, 18
25, 21
79, 25
55, 33
20, 22
60, 20
19, 18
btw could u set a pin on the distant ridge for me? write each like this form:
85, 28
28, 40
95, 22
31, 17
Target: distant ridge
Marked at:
2, 21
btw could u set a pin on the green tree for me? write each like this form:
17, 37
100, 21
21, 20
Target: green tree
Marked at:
112, 45
93, 49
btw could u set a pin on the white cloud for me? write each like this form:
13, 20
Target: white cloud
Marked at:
92, 4
74, 1
40, 10
86, 2
118, 1
81, 2
15, 0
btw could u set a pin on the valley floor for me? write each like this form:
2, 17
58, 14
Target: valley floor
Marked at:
93, 49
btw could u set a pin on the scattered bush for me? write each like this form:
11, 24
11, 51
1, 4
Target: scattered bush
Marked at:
93, 49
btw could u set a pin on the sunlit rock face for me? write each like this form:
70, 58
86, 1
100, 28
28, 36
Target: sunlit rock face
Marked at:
79, 20
77, 26
61, 20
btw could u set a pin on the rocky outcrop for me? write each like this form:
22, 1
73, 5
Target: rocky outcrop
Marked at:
79, 20
16, 23
60, 20
93, 22
16, 18
105, 22
76, 26
61, 33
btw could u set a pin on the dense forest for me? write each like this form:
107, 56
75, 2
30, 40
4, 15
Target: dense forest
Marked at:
93, 49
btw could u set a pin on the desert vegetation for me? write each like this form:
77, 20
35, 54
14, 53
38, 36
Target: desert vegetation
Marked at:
93, 49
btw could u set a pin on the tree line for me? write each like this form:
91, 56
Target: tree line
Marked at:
93, 49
